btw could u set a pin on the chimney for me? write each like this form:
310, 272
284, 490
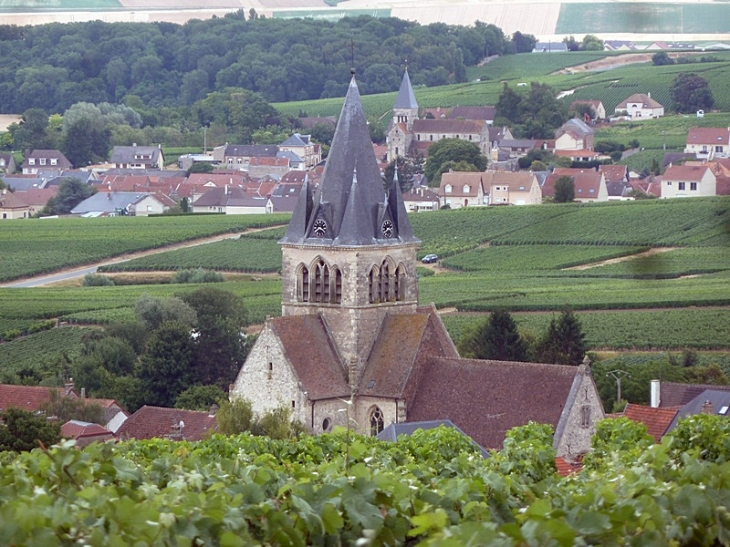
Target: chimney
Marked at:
655, 394
134, 144
648, 94
213, 410
707, 407
83, 393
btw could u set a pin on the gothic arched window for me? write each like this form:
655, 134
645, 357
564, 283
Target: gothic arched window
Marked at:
321, 272
400, 283
377, 423
373, 286
337, 274
303, 282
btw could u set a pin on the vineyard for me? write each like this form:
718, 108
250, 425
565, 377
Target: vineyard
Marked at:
430, 489
44, 246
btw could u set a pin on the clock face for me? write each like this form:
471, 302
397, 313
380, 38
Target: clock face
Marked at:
387, 229
319, 227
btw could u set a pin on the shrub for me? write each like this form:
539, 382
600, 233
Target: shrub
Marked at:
97, 280
198, 275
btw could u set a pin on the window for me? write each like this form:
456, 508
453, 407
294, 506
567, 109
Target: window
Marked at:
54, 161
466, 189
400, 283
693, 186
447, 188
680, 186
585, 416
304, 284
43, 161
373, 286
31, 161
718, 149
376, 421
431, 137
385, 281
326, 424
669, 183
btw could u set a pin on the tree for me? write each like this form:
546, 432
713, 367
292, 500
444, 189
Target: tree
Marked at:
153, 311
573, 44
220, 346
32, 131
200, 398
166, 369
564, 341
691, 92
71, 192
85, 142
234, 416
564, 190
22, 431
67, 408
591, 43
455, 150
524, 43
535, 115
408, 167
496, 338
661, 58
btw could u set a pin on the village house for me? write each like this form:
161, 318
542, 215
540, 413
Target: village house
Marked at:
462, 189
575, 134
7, 163
512, 188
137, 157
589, 184
617, 182
13, 206
681, 181
305, 149
708, 143
230, 201
597, 108
151, 422
51, 161
139, 204
353, 347
421, 198
640, 106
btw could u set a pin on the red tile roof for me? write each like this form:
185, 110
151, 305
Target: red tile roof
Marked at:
566, 468
488, 398
151, 421
708, 135
78, 430
686, 172
317, 366
587, 182
657, 420
614, 173
30, 398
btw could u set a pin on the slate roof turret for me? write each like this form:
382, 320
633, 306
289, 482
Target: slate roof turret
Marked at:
405, 98
351, 203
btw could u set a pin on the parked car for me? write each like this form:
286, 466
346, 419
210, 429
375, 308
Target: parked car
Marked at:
430, 259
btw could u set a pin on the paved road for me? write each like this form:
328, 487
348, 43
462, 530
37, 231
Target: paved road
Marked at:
53, 278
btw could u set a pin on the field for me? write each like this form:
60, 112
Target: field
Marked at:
642, 275
43, 246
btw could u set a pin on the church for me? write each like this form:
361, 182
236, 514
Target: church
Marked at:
353, 348
409, 134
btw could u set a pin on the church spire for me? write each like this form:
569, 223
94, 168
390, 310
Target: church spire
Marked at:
351, 206
405, 99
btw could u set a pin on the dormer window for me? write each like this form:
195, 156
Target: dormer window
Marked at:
54, 161
467, 188
43, 161
447, 188
31, 161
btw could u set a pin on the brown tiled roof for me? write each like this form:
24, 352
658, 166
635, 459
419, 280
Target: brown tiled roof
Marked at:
150, 422
657, 420
457, 180
583, 153
420, 194
10, 200
38, 196
674, 394
584, 181
293, 177
393, 355
30, 398
708, 135
685, 172
637, 98
74, 429
315, 363
722, 187
614, 173
201, 179
517, 181
448, 126
488, 398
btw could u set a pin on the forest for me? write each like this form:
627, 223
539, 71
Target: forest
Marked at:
54, 66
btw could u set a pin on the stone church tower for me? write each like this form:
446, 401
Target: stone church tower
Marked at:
405, 112
349, 253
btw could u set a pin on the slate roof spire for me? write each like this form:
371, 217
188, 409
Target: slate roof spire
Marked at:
406, 98
351, 203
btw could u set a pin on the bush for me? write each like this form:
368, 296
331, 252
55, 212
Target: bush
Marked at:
97, 280
198, 275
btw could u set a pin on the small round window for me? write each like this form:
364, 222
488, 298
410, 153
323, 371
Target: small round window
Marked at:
326, 424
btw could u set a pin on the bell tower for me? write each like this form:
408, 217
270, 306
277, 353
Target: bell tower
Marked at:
349, 253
